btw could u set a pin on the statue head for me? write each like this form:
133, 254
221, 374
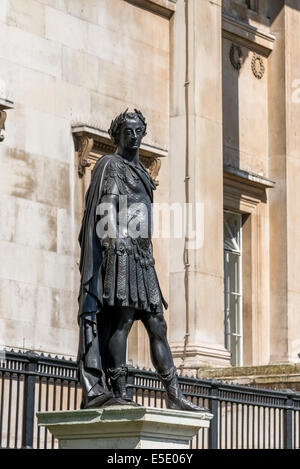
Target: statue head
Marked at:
128, 129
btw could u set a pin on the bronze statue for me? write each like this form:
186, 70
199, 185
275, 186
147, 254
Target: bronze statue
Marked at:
118, 279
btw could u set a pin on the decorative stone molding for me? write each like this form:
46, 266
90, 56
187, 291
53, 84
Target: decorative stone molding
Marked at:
236, 57
92, 143
259, 40
244, 189
247, 193
165, 8
258, 67
242, 185
85, 146
4, 105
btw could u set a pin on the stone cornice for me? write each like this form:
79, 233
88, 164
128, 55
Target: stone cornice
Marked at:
165, 8
248, 178
247, 35
244, 190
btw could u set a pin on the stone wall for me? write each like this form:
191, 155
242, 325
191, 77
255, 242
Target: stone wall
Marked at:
64, 62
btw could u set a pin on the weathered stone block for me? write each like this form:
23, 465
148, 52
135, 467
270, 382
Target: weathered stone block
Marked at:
66, 29
29, 16
30, 50
80, 68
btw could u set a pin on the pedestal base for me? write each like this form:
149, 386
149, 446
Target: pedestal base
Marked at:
124, 427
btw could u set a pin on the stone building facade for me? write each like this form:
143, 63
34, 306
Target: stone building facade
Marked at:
219, 83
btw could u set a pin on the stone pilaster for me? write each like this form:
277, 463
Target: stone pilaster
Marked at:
196, 177
284, 111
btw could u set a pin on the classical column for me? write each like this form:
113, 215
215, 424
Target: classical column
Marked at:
196, 327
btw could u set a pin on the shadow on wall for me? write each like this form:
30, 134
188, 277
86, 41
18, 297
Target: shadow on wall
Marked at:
243, 10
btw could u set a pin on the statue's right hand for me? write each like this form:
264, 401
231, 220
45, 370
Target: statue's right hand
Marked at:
109, 243
117, 245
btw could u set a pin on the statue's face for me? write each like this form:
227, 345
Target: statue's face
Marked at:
131, 134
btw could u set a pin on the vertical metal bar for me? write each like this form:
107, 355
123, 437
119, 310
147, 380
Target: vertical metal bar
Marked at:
68, 396
53, 408
130, 383
61, 394
231, 425
213, 428
225, 424
243, 423
237, 426
264, 428
248, 426
295, 430
288, 423
280, 433
275, 426
143, 396
40, 383
258, 427
29, 401
253, 427
9, 410
75, 394
269, 428
298, 429
47, 404
2, 405
221, 426
17, 411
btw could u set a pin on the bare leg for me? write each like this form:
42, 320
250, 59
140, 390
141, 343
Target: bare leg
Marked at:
122, 321
156, 327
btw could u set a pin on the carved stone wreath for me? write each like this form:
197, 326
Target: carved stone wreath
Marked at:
258, 67
236, 57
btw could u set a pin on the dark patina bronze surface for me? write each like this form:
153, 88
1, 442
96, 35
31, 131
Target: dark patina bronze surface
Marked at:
118, 279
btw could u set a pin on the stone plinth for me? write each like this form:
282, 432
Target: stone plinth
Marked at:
124, 427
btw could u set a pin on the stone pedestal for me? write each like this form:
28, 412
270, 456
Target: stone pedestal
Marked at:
124, 427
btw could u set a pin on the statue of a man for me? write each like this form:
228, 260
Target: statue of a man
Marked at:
118, 279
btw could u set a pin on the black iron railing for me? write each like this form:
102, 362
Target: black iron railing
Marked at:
244, 417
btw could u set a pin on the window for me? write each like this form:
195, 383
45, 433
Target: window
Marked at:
252, 5
233, 286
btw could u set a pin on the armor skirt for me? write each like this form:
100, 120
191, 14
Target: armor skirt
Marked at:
129, 276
